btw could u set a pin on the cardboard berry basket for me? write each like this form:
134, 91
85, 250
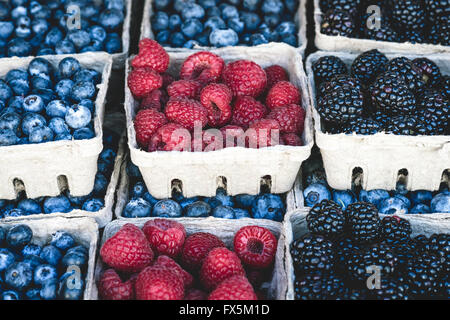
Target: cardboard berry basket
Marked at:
381, 156
295, 226
346, 44
225, 230
83, 230
40, 166
300, 21
243, 168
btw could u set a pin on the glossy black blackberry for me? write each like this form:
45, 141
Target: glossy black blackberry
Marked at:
444, 288
382, 32
391, 94
439, 244
341, 104
445, 86
319, 287
436, 9
362, 126
391, 288
413, 36
434, 109
406, 126
355, 294
407, 14
326, 67
394, 229
351, 6
337, 23
346, 248
363, 222
422, 274
410, 73
338, 81
368, 65
382, 118
431, 74
404, 251
311, 254
326, 218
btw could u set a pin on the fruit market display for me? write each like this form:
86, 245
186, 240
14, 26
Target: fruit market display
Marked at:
213, 23
160, 261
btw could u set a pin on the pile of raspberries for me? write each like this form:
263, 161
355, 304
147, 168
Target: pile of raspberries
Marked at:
256, 107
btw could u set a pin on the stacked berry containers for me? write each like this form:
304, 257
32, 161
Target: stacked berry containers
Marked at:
212, 15
41, 167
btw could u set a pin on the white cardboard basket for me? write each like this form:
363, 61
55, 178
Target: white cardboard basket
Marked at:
346, 44
300, 21
83, 230
295, 226
381, 156
243, 168
38, 166
224, 229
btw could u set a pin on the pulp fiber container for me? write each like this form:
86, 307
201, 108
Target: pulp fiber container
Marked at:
382, 157
300, 21
44, 168
239, 169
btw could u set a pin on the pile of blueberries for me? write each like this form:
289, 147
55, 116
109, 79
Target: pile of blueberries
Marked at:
38, 27
33, 272
43, 103
189, 23
65, 203
142, 204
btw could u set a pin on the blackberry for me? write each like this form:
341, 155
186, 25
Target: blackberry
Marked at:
407, 14
413, 36
362, 126
391, 94
355, 294
422, 274
445, 86
337, 23
312, 253
404, 251
410, 73
326, 218
394, 229
319, 287
391, 289
338, 81
384, 32
436, 9
363, 221
326, 67
444, 288
434, 109
382, 118
431, 74
406, 126
345, 249
341, 104
439, 244
350, 6
368, 65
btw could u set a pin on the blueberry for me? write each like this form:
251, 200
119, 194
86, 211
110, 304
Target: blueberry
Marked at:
45, 273
116, 4
315, 193
33, 294
58, 126
30, 206
373, 196
268, 206
137, 208
51, 255
33, 261
45, 51
80, 38
344, 198
74, 259
78, 116
82, 90
167, 209
108, 155
15, 213
161, 4
100, 184
5, 91
86, 75
268, 34
241, 213
272, 20
257, 39
6, 259
191, 27
48, 290
65, 47
222, 38
138, 191
229, 12
3, 203
224, 212
286, 27
237, 25
133, 171
93, 205
113, 43
33, 103
160, 21
97, 33
441, 203
10, 120
225, 199
174, 22
251, 5
213, 12
38, 82
187, 201
272, 6
215, 22
57, 204
400, 188
392, 206
40, 66
198, 209
150, 199
213, 202
289, 39
421, 196
10, 295
83, 134
16, 74
18, 275
404, 199
192, 11
19, 11
89, 11
244, 201
420, 208
179, 5
62, 240
53, 37
64, 88
6, 29
41, 134
111, 19
79, 249
8, 137
31, 249
19, 236
206, 4
70, 287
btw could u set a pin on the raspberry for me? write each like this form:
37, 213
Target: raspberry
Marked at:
186, 112
152, 101
234, 288
151, 55
291, 118
219, 264
184, 88
167, 262
265, 133
195, 294
202, 66
167, 79
245, 78
128, 250
166, 237
170, 137
291, 139
247, 110
255, 246
231, 134
216, 98
146, 123
275, 74
282, 94
142, 81
196, 247
111, 287
157, 283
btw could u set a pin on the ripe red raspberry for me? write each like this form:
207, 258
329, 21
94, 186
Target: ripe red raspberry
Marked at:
234, 288
151, 55
111, 287
275, 74
247, 110
245, 78
291, 118
195, 294
170, 137
264, 133
167, 262
202, 66
216, 98
232, 135
146, 123
187, 112
152, 101
184, 89
142, 81
159, 283
282, 94
291, 139
128, 250
255, 246
196, 247
166, 237
219, 264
